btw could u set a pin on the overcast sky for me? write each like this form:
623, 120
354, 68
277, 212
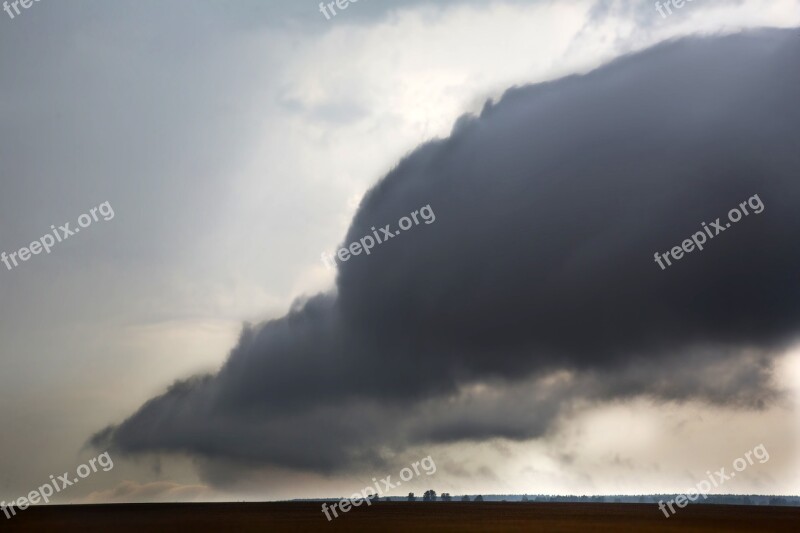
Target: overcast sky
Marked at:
525, 340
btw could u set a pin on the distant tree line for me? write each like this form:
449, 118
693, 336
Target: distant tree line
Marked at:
724, 499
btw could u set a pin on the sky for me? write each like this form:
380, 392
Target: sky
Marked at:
520, 333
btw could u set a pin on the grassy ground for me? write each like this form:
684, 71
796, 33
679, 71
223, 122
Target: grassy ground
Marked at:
400, 516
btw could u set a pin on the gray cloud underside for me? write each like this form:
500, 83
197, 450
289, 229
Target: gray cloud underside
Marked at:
536, 285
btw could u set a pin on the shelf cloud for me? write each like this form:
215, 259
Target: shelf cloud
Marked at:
536, 286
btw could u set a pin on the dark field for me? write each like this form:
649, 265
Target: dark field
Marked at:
401, 516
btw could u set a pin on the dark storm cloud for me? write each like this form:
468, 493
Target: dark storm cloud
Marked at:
536, 285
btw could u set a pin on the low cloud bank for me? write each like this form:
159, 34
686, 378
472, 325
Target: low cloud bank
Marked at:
537, 285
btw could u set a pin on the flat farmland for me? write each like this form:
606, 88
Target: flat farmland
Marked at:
402, 516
